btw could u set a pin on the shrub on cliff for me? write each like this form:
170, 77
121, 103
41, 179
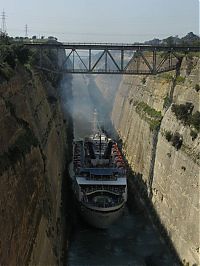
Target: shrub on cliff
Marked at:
154, 124
177, 140
195, 120
197, 88
144, 107
4, 38
143, 80
22, 53
11, 55
180, 80
166, 76
183, 111
193, 134
168, 135
149, 114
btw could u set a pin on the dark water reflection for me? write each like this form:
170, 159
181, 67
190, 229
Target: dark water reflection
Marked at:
130, 241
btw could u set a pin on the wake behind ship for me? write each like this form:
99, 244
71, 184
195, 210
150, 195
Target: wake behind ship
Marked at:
100, 183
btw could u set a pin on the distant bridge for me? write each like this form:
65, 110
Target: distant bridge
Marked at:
113, 58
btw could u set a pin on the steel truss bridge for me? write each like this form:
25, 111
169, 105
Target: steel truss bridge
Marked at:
106, 58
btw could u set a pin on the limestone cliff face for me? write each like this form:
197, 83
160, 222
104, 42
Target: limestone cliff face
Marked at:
142, 115
33, 145
136, 127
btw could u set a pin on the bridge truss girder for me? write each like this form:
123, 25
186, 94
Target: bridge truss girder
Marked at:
105, 62
114, 59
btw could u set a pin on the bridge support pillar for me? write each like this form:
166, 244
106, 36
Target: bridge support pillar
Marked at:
122, 60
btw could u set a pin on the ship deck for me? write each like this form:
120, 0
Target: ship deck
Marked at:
84, 181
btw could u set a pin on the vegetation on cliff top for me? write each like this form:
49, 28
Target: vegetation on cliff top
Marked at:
14, 54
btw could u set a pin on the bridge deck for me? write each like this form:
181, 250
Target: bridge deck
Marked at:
113, 46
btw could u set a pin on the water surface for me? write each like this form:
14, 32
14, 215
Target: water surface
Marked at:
131, 240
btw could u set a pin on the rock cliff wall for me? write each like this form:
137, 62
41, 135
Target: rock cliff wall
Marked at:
33, 149
163, 150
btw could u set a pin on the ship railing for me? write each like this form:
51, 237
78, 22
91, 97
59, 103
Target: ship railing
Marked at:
114, 189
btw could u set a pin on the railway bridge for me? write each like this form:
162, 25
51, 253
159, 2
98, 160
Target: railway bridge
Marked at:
113, 58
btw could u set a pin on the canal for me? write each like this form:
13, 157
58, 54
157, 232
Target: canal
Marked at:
132, 240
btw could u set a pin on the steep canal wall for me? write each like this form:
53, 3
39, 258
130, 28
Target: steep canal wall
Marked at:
34, 148
157, 119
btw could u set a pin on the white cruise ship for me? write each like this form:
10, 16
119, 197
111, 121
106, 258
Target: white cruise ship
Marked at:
100, 183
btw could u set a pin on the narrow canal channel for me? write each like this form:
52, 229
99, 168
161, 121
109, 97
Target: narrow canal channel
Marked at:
131, 240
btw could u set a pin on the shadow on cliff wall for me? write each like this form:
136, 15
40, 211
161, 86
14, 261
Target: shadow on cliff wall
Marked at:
138, 195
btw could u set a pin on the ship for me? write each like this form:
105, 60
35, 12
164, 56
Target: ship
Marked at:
99, 178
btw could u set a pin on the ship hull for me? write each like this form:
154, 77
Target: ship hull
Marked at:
100, 219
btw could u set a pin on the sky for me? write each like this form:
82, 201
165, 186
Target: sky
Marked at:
101, 20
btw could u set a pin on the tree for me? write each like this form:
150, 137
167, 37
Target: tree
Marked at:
170, 41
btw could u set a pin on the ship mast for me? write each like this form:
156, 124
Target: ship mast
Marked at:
100, 146
97, 130
95, 127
